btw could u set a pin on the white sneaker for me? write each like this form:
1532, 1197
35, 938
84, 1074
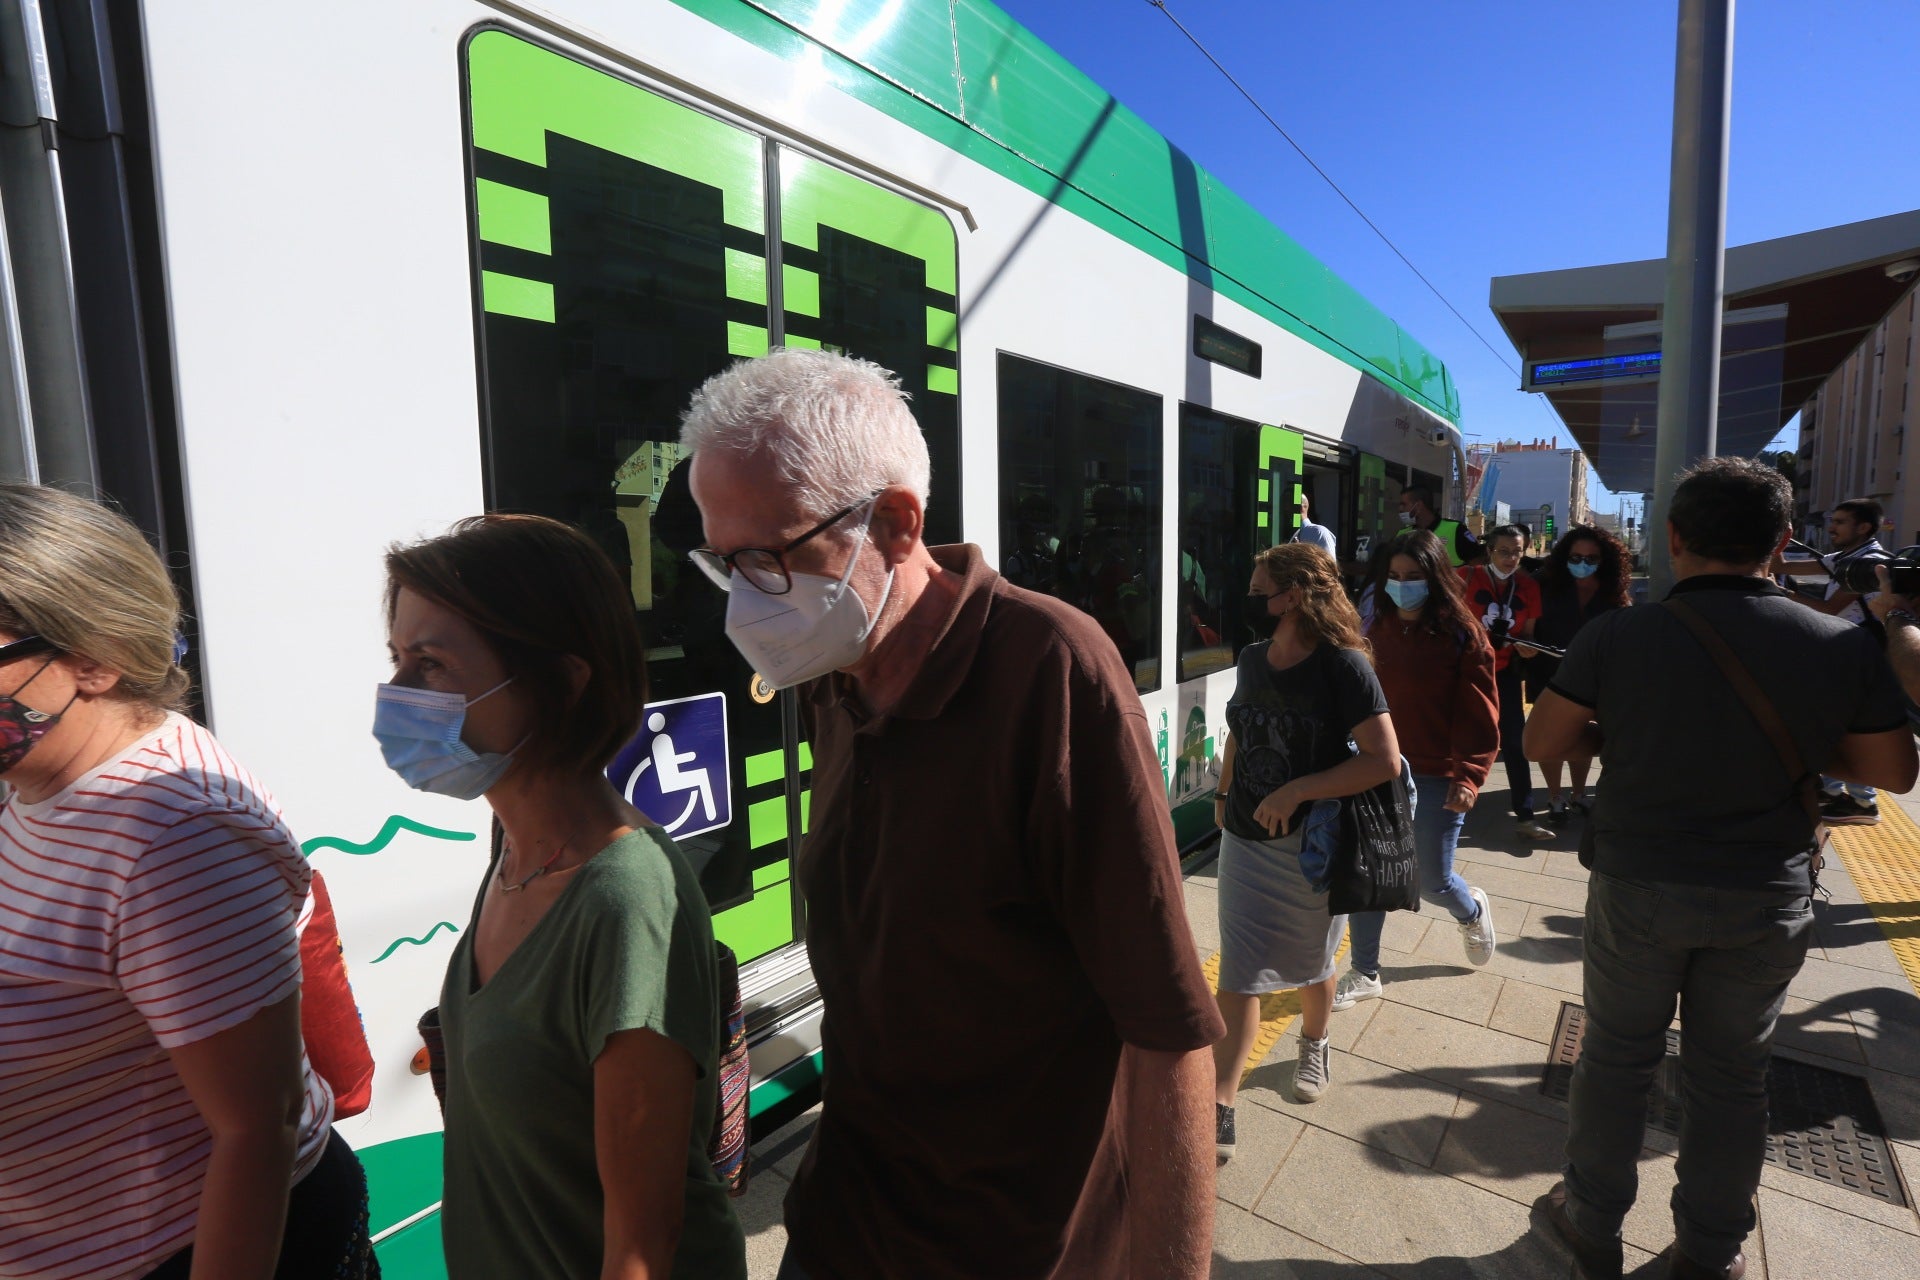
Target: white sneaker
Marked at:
1477, 934
1354, 987
1531, 829
1311, 1077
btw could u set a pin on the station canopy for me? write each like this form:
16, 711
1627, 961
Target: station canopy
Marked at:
1796, 307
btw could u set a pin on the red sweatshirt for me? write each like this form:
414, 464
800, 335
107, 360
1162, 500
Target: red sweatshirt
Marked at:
1441, 696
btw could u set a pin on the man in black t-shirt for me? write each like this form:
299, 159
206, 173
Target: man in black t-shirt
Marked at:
1702, 855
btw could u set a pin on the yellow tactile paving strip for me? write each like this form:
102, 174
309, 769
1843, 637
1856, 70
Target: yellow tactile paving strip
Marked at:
1278, 1009
1884, 862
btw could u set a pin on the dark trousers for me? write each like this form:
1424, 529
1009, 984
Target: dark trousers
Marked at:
1513, 722
789, 1269
326, 1234
1726, 956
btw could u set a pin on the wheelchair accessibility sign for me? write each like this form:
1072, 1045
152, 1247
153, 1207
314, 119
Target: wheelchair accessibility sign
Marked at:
675, 769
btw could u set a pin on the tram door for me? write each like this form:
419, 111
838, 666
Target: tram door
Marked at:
1370, 507
624, 253
1278, 470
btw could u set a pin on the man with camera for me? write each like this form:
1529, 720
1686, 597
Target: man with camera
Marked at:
1899, 612
1852, 528
1703, 861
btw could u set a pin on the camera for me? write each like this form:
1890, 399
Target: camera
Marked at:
1856, 572
1497, 631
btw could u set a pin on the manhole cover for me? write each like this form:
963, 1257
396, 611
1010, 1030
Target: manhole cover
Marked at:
1821, 1124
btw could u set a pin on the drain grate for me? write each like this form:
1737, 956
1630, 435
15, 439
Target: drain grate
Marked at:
1822, 1124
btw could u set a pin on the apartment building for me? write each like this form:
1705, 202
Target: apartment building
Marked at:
1853, 432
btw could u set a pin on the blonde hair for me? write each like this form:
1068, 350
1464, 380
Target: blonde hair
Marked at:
83, 578
1326, 615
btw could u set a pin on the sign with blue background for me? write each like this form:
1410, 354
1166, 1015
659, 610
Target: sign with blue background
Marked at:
675, 769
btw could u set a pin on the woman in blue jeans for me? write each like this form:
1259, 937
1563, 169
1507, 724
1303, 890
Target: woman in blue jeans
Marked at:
1436, 668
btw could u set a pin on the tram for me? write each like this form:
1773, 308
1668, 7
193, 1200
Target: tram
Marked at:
292, 284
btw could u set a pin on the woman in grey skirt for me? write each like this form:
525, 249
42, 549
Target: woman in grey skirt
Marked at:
1302, 702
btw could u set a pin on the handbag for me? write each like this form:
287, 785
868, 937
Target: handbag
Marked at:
1374, 865
1806, 785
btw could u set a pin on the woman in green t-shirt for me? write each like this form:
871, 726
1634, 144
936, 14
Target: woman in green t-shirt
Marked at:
580, 1015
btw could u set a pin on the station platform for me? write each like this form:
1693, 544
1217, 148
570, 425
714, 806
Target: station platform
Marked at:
1441, 1127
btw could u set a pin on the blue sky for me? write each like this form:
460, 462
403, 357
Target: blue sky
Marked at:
1490, 137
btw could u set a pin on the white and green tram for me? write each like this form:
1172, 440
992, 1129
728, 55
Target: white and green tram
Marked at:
293, 283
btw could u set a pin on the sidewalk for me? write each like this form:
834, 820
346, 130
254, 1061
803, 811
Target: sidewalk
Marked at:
1424, 1157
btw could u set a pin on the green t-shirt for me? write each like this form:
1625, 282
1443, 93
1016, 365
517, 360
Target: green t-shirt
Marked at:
628, 944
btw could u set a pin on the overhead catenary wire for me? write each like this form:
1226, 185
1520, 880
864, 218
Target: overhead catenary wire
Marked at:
1161, 5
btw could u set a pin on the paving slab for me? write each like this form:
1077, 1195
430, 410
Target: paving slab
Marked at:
1528, 1010
1806, 1241
1203, 916
1396, 1111
1248, 1247
1472, 1059
1454, 990
1263, 1138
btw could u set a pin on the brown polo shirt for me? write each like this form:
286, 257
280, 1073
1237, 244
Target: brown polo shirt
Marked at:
993, 909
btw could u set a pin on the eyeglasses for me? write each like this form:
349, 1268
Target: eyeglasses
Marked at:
25, 647
1592, 560
764, 568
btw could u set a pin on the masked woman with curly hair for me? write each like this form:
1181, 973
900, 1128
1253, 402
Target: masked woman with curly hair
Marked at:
1585, 576
1436, 666
1302, 692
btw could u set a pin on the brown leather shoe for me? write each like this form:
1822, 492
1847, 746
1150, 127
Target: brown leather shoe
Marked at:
1592, 1259
1681, 1267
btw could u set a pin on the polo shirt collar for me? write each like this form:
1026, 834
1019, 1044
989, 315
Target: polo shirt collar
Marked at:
947, 664
1738, 582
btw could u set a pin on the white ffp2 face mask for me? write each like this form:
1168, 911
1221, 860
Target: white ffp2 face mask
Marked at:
820, 625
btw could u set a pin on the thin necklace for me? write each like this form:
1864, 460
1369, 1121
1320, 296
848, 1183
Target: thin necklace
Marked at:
501, 879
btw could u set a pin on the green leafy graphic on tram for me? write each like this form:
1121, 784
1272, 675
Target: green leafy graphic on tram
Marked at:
392, 827
432, 933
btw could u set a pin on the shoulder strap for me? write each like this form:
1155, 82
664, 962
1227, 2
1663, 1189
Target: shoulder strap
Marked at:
1758, 704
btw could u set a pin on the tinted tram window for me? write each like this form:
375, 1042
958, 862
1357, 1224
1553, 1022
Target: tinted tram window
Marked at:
622, 253
1216, 549
1080, 500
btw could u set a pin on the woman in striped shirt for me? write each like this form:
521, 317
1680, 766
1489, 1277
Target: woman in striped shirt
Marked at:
157, 1114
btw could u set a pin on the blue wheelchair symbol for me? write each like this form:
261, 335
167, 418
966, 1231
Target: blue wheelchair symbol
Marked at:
675, 769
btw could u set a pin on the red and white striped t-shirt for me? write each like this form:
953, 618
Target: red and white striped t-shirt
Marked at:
149, 905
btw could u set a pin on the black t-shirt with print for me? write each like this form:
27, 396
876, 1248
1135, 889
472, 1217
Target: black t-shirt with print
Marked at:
1288, 724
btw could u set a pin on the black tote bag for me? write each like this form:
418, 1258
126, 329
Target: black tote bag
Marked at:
1374, 867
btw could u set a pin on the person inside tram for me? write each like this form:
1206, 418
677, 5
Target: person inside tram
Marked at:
1585, 577
581, 1010
1016, 1027
1417, 512
1316, 534
1506, 601
149, 957
1436, 668
1302, 690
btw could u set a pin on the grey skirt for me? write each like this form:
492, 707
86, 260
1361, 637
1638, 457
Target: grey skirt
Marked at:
1275, 932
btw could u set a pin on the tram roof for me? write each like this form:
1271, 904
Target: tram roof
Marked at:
1796, 307
979, 82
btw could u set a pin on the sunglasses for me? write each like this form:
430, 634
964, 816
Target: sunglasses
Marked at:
1592, 560
26, 647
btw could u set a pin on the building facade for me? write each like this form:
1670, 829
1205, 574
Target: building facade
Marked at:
1525, 476
1853, 432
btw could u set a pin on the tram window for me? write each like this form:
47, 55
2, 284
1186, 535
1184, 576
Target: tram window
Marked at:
1080, 475
1216, 550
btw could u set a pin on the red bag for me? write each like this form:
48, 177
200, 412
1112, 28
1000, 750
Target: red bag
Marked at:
329, 1019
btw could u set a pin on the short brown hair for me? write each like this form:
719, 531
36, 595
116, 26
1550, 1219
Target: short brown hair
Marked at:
540, 591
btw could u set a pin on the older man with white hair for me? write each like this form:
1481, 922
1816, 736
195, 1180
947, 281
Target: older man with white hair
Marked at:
1016, 1031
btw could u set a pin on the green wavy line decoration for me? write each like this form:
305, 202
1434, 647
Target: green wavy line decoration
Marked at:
432, 933
393, 826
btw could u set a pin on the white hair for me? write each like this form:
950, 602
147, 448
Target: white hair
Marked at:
837, 429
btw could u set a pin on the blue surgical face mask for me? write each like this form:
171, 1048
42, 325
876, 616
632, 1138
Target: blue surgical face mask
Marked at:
419, 734
1582, 570
1407, 595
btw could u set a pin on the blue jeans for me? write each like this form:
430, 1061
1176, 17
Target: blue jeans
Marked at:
1727, 957
1436, 831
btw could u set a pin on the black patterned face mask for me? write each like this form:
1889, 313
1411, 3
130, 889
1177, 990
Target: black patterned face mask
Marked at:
21, 727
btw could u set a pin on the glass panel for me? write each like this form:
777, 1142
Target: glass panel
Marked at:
1080, 500
871, 273
623, 261
1216, 549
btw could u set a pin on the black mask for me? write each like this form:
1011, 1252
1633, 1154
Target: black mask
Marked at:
21, 727
1258, 618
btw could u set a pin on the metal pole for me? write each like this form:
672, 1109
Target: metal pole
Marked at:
1687, 426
